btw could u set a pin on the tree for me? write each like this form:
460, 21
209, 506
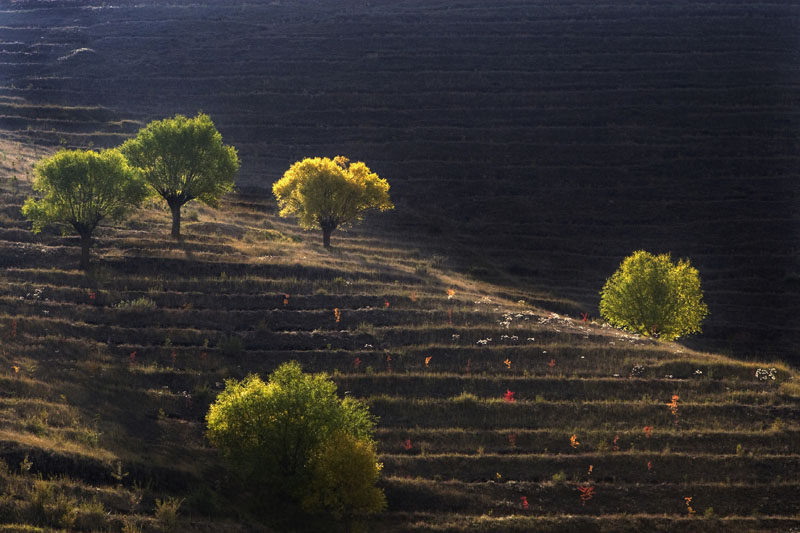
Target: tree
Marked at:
81, 188
183, 159
271, 432
651, 295
344, 473
330, 193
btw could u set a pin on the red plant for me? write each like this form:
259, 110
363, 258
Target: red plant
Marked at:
688, 500
552, 363
591, 468
573, 441
389, 363
524, 502
357, 362
648, 430
133, 356
509, 396
512, 440
386, 304
92, 295
616, 445
649, 466
587, 492
337, 314
507, 363
286, 299
407, 444
428, 360
584, 317
673, 407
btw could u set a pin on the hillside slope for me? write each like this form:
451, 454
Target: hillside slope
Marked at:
494, 415
553, 137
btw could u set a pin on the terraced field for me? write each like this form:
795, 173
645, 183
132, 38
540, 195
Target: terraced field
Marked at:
495, 415
546, 139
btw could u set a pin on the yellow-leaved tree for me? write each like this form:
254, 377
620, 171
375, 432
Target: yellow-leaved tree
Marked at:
329, 193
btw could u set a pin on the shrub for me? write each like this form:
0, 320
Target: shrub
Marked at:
271, 432
343, 476
167, 512
91, 516
651, 295
231, 345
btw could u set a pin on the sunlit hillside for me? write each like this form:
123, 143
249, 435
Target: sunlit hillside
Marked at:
495, 414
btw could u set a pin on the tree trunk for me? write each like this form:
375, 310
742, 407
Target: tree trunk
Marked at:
86, 243
176, 220
326, 235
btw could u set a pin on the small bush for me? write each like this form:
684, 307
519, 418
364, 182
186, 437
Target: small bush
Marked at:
91, 516
343, 478
167, 513
231, 345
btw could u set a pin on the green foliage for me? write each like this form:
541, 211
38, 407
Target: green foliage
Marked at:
330, 193
271, 431
651, 295
231, 345
183, 159
167, 513
142, 304
79, 189
344, 473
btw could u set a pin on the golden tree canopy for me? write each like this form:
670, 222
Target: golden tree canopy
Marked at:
329, 193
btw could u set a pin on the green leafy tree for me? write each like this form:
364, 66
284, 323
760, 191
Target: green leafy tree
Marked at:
183, 159
651, 295
270, 432
344, 473
80, 189
330, 193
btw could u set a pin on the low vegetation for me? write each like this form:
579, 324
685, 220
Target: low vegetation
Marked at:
109, 377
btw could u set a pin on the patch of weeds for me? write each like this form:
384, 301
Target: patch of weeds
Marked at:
131, 525
365, 328
37, 424
91, 516
46, 508
167, 512
138, 304
465, 397
230, 345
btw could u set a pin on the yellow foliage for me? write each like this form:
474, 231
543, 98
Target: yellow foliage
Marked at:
330, 193
343, 478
